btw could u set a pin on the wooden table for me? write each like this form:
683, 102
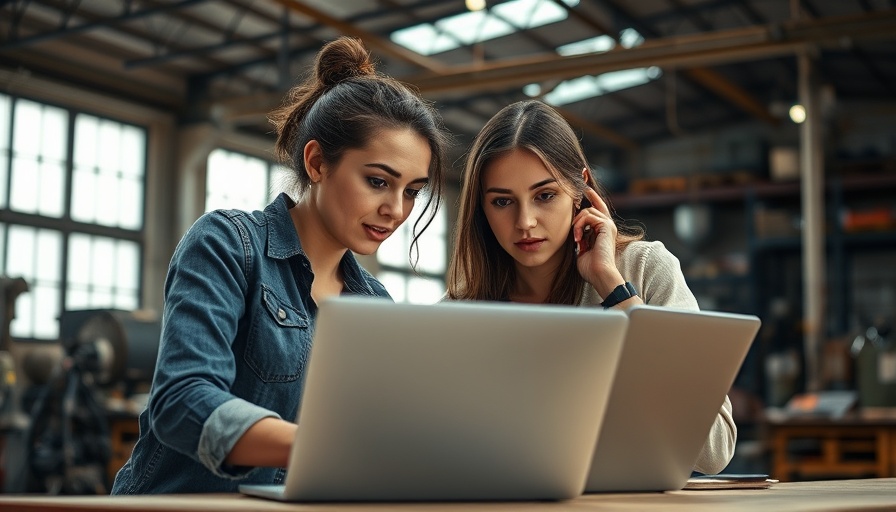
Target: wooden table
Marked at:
859, 444
824, 496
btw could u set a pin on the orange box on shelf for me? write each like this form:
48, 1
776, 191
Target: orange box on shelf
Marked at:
878, 218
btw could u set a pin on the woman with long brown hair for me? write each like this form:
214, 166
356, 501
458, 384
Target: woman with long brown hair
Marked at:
534, 226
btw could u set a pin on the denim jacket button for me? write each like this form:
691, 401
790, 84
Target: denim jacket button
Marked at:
281, 314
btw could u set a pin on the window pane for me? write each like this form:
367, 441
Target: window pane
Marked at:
86, 140
35, 255
48, 256
433, 259
52, 189
5, 111
109, 166
77, 299
84, 195
130, 208
425, 290
109, 139
102, 262
21, 256
46, 310
23, 195
53, 134
125, 300
22, 326
234, 180
107, 199
396, 285
102, 272
27, 124
432, 244
127, 266
393, 251
78, 260
39, 145
133, 152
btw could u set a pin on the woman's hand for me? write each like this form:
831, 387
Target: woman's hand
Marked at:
595, 235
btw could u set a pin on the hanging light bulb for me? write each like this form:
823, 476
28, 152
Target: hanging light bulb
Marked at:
475, 5
798, 113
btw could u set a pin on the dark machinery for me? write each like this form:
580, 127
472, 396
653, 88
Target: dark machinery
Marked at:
13, 422
68, 442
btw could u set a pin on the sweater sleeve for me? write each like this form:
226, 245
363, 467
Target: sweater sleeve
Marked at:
662, 283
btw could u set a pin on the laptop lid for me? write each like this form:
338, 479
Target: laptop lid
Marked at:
674, 372
453, 401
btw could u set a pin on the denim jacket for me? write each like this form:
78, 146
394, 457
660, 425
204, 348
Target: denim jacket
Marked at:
236, 335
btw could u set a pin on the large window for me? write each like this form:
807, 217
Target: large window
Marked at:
238, 181
71, 212
235, 180
426, 285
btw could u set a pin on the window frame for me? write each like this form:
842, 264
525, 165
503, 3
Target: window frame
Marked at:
64, 224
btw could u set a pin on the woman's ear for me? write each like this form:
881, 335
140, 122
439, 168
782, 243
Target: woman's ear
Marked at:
313, 160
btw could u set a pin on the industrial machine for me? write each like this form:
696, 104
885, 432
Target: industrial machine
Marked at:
67, 441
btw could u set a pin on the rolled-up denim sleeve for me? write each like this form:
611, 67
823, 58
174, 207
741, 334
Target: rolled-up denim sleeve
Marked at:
223, 429
191, 407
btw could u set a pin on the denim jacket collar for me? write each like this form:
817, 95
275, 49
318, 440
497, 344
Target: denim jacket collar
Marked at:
283, 243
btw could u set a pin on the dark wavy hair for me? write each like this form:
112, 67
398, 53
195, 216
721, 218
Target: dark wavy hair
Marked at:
342, 105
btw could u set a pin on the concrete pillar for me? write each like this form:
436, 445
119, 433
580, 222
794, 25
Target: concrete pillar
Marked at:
812, 195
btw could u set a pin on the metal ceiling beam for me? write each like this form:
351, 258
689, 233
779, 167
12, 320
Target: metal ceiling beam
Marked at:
720, 47
709, 79
212, 27
598, 130
363, 17
588, 20
197, 51
95, 23
369, 38
133, 32
695, 18
733, 93
810, 10
750, 12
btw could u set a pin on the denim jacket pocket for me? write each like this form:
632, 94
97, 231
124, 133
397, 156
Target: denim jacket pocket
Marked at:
279, 342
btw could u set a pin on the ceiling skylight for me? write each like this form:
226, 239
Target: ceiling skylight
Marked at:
585, 87
577, 89
475, 27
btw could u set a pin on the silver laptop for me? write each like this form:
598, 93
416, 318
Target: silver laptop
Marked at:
453, 401
675, 370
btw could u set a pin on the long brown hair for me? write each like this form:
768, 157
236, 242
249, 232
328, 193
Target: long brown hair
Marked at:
342, 105
480, 269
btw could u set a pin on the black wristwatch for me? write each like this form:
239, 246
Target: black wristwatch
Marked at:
621, 293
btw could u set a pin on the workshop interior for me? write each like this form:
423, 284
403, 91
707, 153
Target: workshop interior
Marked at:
755, 138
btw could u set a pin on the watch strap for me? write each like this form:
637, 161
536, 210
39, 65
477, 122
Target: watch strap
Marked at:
620, 293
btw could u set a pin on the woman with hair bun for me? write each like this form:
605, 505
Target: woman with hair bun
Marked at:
242, 289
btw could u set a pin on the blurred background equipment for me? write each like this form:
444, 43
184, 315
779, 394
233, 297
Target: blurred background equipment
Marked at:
107, 353
120, 347
875, 353
13, 422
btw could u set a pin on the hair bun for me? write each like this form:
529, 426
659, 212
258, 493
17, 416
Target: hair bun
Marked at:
341, 59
